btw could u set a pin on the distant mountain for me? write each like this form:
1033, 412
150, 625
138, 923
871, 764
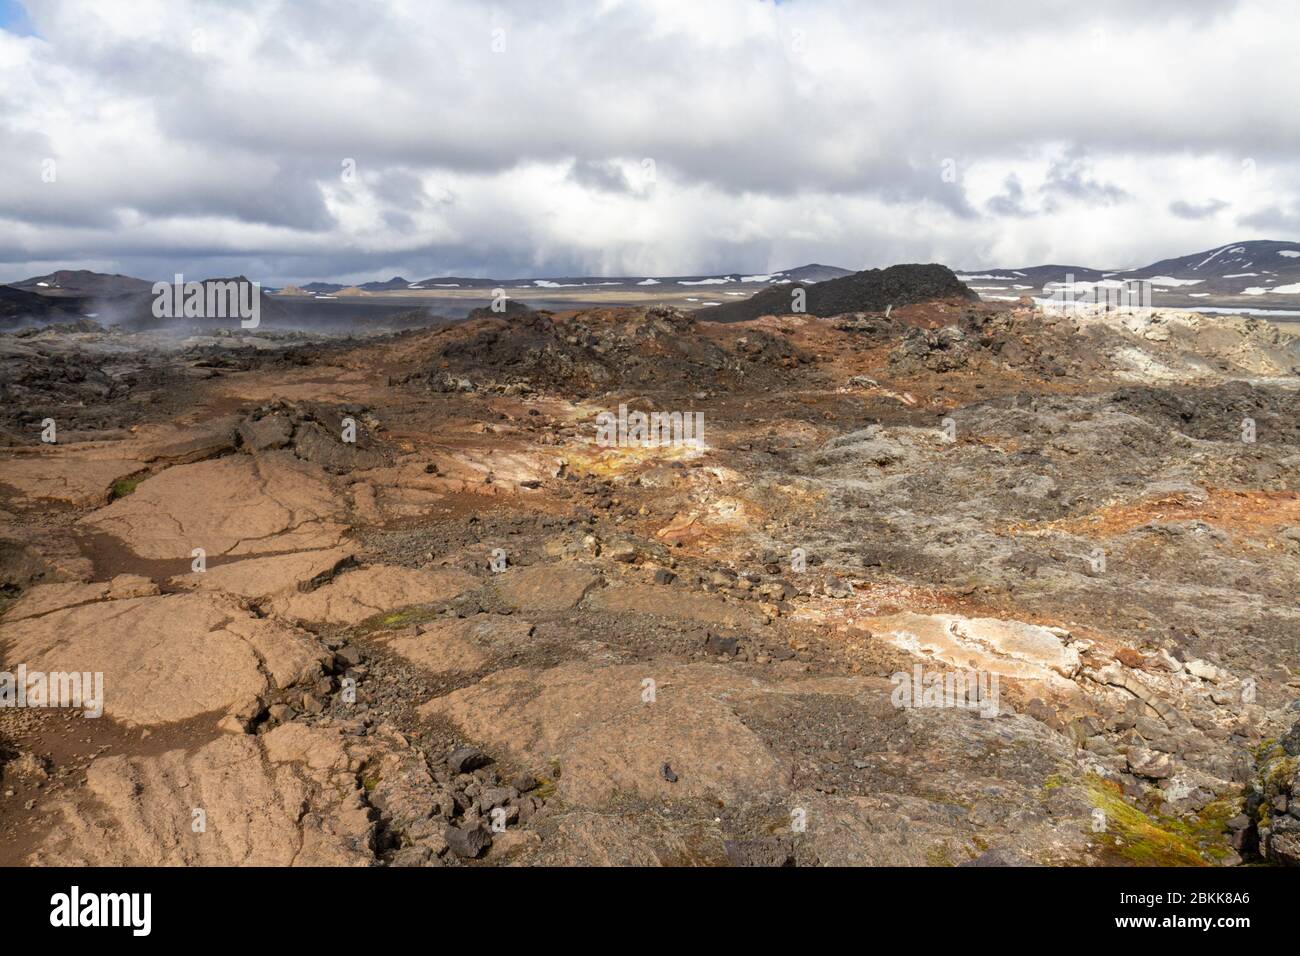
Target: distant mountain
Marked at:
68, 295
1241, 275
81, 283
872, 290
813, 272
137, 310
396, 282
1029, 277
468, 282
1259, 268
1256, 272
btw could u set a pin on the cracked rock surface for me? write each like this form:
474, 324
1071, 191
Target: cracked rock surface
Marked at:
389, 601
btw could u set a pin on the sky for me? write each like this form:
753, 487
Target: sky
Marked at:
350, 140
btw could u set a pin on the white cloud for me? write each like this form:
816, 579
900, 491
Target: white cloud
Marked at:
198, 137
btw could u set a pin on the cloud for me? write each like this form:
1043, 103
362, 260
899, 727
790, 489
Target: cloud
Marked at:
1280, 222
600, 176
624, 137
1011, 201
1187, 210
1070, 177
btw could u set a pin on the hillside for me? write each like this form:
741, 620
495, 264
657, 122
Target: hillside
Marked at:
1263, 273
82, 283
873, 290
20, 307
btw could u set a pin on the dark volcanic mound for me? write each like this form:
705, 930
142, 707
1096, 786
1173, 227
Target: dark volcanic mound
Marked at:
136, 310
1215, 413
19, 307
871, 291
595, 350
513, 307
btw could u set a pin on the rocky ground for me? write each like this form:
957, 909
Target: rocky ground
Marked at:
435, 622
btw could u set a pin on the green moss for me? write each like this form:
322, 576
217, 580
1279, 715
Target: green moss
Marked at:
369, 775
1053, 782
1278, 777
397, 619
1155, 839
124, 486
546, 785
939, 855
1206, 829
1275, 776
1268, 749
